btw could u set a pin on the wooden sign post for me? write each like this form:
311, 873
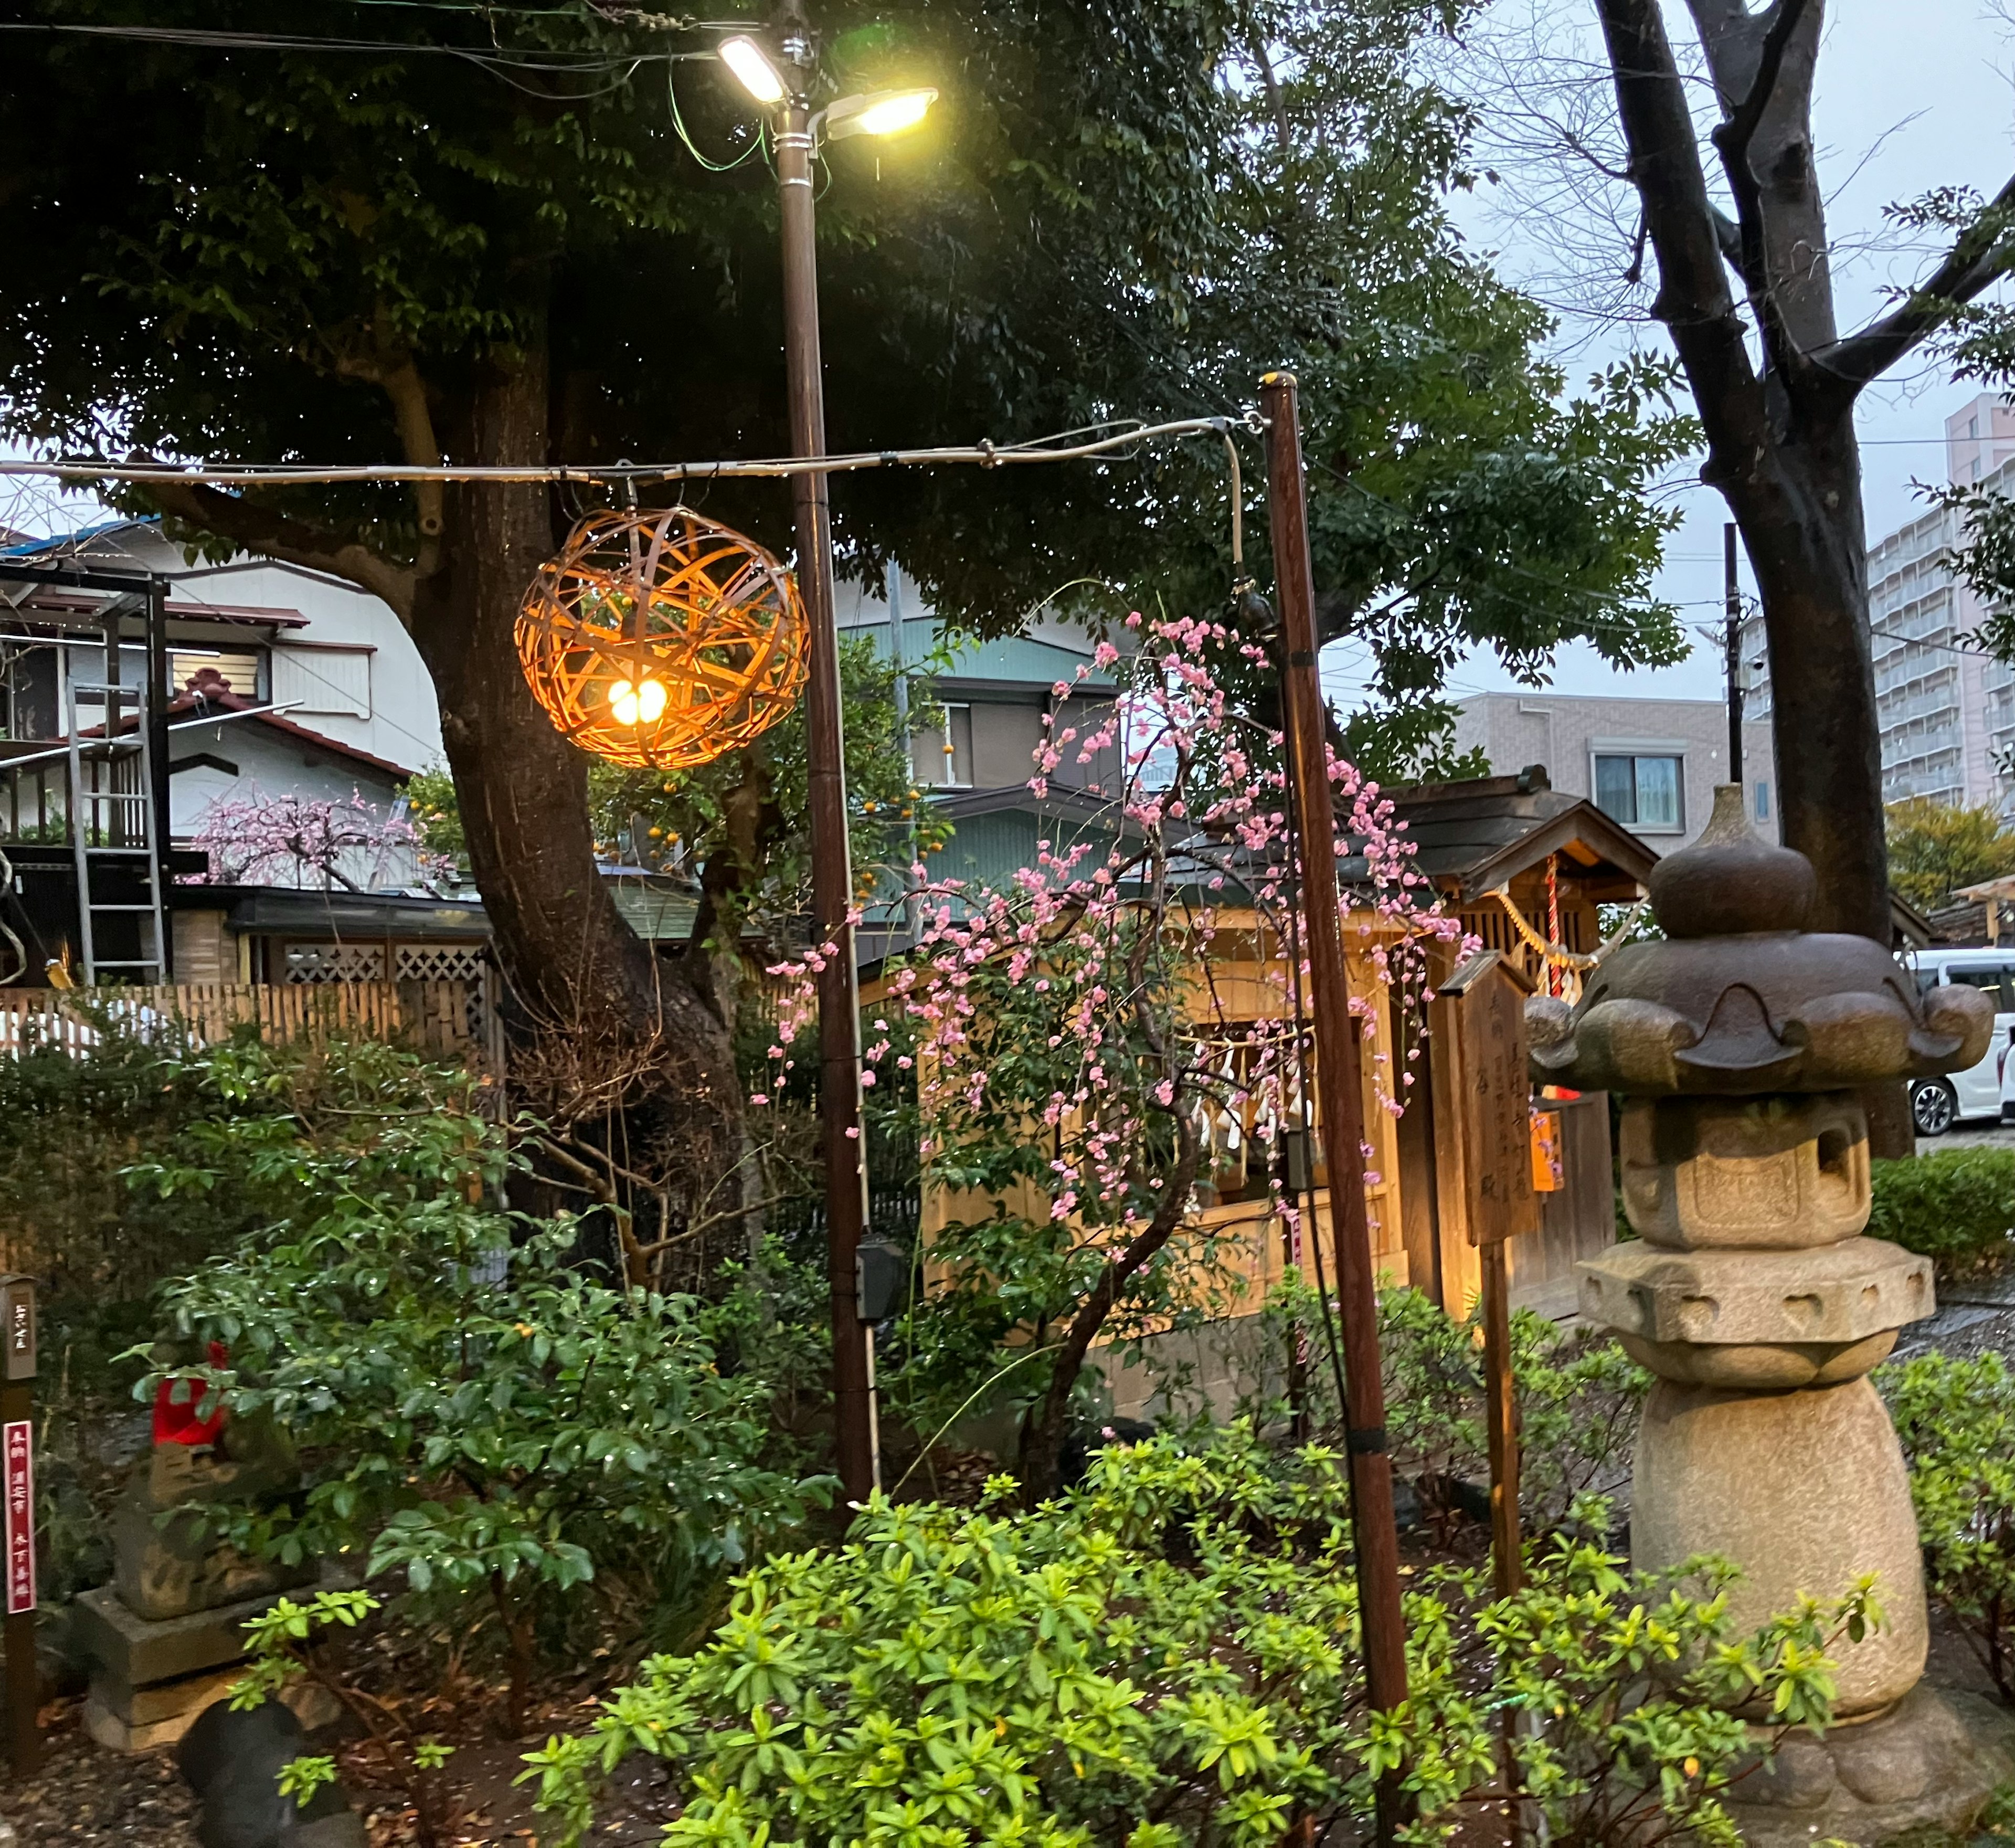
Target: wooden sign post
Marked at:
17, 1519
1490, 994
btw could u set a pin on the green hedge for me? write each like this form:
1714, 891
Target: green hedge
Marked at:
1956, 1205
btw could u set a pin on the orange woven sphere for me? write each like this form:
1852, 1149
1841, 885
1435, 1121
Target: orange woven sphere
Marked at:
661, 639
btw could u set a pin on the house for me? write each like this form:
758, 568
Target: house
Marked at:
259, 681
334, 661
1650, 764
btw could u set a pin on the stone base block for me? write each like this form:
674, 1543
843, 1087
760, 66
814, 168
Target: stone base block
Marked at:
1935, 1758
159, 1716
134, 1651
163, 1700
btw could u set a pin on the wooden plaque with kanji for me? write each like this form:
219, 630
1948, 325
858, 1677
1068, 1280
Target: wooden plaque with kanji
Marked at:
1497, 1095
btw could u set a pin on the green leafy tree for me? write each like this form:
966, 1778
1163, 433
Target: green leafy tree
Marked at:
488, 235
477, 1416
1937, 847
1170, 1656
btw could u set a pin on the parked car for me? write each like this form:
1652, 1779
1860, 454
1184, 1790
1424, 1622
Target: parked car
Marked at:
1936, 1104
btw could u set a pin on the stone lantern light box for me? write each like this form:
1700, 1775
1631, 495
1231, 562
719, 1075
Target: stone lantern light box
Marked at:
1739, 1045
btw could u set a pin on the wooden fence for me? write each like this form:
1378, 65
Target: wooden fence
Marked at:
433, 1016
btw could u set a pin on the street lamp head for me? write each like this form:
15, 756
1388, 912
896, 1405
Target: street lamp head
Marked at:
752, 69
880, 112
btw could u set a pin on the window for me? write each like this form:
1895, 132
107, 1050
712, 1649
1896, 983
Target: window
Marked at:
943, 752
1996, 979
239, 670
1641, 792
1762, 802
324, 680
1973, 426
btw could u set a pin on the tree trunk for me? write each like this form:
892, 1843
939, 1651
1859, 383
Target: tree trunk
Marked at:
1799, 511
602, 1010
1781, 444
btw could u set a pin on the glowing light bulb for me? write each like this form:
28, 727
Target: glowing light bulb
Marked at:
752, 69
892, 114
643, 704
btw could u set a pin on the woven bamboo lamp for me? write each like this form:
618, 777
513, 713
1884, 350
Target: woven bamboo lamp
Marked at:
661, 639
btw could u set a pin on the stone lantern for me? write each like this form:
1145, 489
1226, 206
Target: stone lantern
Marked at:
1738, 1045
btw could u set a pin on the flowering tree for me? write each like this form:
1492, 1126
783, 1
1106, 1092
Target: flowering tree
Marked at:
303, 841
1085, 1057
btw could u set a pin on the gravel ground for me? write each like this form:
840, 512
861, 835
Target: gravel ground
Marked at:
87, 1797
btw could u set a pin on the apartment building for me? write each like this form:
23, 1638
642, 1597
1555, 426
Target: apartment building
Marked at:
1946, 711
1651, 764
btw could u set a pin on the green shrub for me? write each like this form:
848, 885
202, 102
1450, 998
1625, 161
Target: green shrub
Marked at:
1578, 1395
1956, 1205
1170, 1656
474, 1414
1957, 1420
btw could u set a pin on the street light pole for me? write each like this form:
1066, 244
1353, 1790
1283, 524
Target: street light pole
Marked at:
833, 875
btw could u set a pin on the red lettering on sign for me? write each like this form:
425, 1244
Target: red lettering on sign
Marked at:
17, 1445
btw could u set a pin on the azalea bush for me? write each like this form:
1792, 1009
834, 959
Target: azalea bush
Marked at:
1956, 1422
1170, 1656
1082, 1079
1578, 1396
493, 1428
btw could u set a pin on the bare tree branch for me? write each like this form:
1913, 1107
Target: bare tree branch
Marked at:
1732, 137
1732, 141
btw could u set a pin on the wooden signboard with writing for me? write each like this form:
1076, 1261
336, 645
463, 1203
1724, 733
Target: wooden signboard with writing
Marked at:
1497, 1106
17, 1518
1489, 1015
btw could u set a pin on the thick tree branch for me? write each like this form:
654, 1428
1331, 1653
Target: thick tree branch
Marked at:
1728, 234
1732, 137
279, 536
1694, 300
1979, 257
1732, 141
392, 370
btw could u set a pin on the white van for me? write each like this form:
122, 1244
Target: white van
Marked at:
1936, 1104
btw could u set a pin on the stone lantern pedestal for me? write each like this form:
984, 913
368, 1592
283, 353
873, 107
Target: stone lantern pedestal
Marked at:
1738, 1044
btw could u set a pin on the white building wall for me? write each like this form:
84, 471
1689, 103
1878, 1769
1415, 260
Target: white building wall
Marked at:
1566, 733
354, 669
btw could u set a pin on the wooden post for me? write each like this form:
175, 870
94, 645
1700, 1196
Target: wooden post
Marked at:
856, 1440
1489, 995
1508, 1563
17, 1521
1338, 1077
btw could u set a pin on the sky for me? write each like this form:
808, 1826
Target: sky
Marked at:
1910, 95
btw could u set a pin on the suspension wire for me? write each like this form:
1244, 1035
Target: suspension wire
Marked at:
984, 454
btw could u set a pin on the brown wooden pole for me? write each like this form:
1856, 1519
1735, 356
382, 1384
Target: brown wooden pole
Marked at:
1501, 1409
832, 873
1338, 1080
